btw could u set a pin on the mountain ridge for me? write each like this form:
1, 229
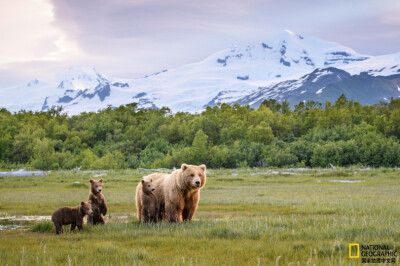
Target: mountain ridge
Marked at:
285, 67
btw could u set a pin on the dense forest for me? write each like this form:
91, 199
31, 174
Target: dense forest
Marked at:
311, 135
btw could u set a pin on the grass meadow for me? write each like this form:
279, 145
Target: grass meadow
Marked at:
245, 217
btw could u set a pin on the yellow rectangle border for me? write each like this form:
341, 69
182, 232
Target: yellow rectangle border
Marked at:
358, 251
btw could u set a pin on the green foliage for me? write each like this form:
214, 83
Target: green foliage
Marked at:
88, 159
43, 155
199, 148
343, 133
279, 157
260, 133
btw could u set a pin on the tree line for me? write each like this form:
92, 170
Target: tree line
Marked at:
224, 136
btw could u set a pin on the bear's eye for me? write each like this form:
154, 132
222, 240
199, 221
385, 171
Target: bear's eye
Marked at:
192, 175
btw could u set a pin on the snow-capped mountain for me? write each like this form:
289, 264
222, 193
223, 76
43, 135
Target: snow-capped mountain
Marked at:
326, 85
290, 66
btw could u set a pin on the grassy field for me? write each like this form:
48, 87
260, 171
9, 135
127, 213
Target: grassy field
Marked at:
245, 217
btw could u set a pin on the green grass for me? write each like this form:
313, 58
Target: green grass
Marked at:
245, 217
43, 227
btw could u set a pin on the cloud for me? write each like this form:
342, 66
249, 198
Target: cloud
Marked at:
28, 33
128, 38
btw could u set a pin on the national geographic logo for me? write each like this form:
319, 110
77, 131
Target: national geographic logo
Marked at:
352, 254
372, 253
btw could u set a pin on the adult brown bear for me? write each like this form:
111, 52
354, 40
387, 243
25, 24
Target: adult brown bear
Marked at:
178, 193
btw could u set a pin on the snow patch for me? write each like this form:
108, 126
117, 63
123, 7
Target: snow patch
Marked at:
320, 90
321, 74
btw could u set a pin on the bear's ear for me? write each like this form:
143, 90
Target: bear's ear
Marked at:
184, 167
101, 180
83, 203
142, 181
91, 181
203, 167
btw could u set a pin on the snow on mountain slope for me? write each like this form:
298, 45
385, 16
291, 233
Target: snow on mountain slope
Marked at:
383, 65
295, 90
29, 96
238, 71
326, 85
274, 68
289, 53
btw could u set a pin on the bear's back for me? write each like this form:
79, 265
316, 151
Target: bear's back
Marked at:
66, 215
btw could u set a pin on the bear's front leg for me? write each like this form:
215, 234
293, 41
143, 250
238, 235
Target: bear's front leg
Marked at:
161, 212
90, 219
101, 219
80, 225
73, 225
174, 213
154, 217
190, 206
59, 228
144, 216
104, 208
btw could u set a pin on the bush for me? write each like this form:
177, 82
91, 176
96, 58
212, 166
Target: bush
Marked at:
279, 158
43, 155
325, 154
219, 156
88, 159
260, 133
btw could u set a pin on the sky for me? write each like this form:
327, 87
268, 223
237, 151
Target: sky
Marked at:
133, 38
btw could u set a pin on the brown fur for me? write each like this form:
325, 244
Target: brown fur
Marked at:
149, 203
71, 215
177, 193
99, 205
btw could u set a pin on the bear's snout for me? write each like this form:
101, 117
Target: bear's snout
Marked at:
197, 183
153, 189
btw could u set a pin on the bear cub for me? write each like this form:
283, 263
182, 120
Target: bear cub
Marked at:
71, 215
99, 205
150, 208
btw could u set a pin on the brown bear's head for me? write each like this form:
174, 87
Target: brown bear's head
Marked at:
97, 186
147, 186
193, 176
86, 208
